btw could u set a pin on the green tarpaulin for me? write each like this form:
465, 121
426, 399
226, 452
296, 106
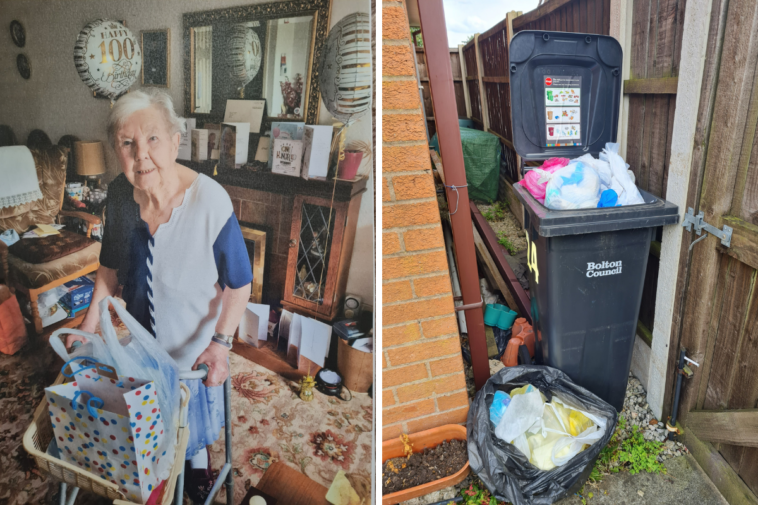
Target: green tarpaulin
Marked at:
481, 156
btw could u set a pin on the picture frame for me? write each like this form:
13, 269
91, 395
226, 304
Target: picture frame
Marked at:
18, 34
24, 66
201, 57
156, 57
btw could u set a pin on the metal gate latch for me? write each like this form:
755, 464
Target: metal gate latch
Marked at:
690, 220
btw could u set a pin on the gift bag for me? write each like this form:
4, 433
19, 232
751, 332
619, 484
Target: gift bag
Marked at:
109, 425
12, 328
137, 355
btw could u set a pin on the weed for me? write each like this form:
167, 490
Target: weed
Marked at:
504, 241
634, 454
501, 208
497, 212
476, 495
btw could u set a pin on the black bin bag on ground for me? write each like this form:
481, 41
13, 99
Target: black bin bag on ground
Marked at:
505, 470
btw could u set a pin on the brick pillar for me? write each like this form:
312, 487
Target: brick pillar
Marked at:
422, 369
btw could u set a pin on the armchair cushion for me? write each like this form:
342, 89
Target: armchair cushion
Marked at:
37, 275
46, 249
51, 172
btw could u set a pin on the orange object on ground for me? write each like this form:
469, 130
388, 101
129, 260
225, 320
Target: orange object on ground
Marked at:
430, 438
12, 327
521, 334
510, 356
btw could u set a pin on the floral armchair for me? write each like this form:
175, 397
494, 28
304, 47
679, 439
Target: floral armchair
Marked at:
33, 266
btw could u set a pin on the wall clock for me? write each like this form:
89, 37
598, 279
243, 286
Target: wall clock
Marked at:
23, 65
18, 34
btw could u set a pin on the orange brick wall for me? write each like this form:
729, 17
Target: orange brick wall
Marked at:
422, 371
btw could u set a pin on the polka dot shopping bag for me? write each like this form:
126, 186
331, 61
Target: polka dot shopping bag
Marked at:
110, 425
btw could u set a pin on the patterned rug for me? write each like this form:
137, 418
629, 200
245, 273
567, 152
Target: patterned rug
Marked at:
269, 423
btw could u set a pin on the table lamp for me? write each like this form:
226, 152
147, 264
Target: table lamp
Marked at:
90, 159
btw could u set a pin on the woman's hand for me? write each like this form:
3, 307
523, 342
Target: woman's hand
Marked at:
215, 356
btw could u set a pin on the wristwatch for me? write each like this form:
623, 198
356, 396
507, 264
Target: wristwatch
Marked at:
222, 339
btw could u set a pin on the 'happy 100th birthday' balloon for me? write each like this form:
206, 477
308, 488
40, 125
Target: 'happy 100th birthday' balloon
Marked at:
107, 57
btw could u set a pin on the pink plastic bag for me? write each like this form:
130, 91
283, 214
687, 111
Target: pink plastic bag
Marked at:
534, 180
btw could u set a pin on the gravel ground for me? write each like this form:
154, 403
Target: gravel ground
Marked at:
508, 225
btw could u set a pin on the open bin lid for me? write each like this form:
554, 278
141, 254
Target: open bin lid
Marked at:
565, 93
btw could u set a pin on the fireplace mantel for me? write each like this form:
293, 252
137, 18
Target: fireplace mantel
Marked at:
280, 184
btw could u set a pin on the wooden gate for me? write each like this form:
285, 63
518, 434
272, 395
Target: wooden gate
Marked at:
719, 311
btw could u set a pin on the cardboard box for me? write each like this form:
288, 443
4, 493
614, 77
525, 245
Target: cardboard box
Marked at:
288, 157
281, 130
317, 143
199, 145
79, 292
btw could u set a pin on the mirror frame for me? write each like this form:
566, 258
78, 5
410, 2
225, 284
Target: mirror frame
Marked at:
321, 10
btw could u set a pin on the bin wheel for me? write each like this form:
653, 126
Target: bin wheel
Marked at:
523, 356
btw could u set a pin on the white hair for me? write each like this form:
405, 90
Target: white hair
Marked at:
139, 100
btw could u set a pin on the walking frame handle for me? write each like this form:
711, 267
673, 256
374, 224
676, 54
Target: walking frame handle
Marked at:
201, 373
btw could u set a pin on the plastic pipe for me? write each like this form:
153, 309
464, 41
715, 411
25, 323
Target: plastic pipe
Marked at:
434, 32
675, 409
454, 277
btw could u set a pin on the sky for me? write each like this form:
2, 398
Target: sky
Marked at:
467, 17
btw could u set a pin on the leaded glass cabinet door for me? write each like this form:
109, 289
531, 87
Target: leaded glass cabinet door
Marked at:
315, 243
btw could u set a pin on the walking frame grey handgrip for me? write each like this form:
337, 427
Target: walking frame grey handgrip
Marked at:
201, 373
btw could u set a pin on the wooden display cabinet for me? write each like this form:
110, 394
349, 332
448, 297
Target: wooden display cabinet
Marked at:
320, 254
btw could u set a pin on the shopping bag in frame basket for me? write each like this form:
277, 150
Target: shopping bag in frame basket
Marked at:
109, 425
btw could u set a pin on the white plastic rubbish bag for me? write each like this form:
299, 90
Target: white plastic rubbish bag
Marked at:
137, 355
544, 432
576, 186
628, 194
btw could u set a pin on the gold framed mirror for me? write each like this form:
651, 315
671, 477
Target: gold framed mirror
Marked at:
262, 51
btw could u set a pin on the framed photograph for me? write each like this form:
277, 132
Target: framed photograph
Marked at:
23, 65
18, 34
156, 57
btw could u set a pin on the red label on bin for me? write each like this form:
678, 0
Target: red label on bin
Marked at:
548, 81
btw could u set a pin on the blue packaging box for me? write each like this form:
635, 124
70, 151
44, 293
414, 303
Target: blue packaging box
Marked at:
79, 292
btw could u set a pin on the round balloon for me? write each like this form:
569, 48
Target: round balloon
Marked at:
107, 57
345, 68
245, 54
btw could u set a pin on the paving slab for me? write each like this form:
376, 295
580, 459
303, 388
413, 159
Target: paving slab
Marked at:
684, 483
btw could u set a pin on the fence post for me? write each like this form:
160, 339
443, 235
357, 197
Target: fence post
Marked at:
509, 17
464, 73
482, 91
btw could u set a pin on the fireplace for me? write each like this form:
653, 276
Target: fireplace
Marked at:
255, 242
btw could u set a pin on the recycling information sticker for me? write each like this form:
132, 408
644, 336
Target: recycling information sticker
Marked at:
563, 111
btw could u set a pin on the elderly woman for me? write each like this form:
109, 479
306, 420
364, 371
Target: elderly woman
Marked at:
173, 242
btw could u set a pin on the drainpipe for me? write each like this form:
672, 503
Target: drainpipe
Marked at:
434, 32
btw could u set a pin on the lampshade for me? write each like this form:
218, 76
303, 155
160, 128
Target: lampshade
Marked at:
90, 158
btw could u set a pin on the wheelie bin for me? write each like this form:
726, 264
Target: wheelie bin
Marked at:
586, 266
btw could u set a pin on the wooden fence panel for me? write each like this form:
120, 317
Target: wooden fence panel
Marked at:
655, 52
460, 101
574, 16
